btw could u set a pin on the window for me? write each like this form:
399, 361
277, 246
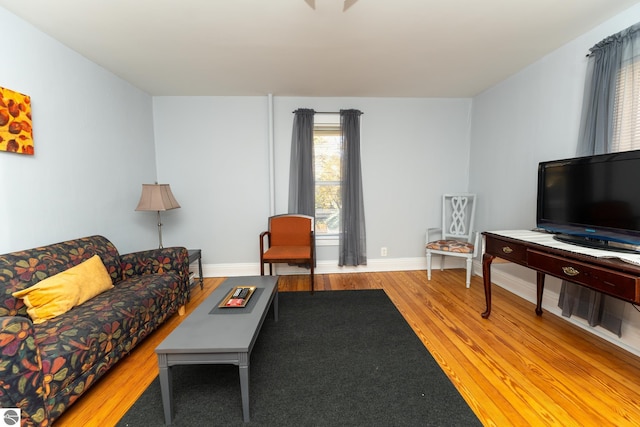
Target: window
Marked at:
327, 163
626, 110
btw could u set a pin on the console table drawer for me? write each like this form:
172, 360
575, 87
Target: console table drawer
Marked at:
507, 250
615, 283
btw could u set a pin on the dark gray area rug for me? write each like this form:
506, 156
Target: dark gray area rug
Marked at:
335, 358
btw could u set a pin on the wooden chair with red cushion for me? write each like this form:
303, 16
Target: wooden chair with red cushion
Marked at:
290, 240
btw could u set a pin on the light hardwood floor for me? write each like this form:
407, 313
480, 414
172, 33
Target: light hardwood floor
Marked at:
514, 369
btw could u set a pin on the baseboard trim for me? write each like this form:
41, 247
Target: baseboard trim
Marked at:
322, 267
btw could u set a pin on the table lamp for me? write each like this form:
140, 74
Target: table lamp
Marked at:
157, 197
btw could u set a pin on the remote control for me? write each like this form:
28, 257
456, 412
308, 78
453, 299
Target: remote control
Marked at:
243, 293
237, 293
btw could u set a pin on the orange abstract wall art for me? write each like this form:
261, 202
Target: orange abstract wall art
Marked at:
16, 134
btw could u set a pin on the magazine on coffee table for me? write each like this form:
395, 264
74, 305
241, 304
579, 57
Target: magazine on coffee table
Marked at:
237, 297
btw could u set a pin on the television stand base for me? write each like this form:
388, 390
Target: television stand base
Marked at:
597, 243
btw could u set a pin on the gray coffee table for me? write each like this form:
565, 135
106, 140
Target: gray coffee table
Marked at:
213, 335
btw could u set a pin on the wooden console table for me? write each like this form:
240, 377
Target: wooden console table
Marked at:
611, 276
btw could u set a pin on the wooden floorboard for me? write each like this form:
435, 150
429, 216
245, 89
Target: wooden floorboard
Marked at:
514, 369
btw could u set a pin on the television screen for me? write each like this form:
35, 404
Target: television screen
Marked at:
593, 201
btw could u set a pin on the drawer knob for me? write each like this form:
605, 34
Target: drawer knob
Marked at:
570, 271
507, 250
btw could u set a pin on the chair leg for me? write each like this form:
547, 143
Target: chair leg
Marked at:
469, 262
261, 268
428, 265
312, 277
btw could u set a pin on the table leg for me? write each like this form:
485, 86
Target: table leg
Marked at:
486, 274
243, 369
166, 388
275, 306
540, 290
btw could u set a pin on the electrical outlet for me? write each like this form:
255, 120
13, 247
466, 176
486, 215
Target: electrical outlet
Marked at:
383, 251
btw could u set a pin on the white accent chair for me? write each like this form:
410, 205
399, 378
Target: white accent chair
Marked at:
456, 236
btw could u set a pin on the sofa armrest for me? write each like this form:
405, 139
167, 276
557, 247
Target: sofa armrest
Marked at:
21, 378
156, 261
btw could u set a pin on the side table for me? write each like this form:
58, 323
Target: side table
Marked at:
196, 255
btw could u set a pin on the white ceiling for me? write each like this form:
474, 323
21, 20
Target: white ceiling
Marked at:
381, 48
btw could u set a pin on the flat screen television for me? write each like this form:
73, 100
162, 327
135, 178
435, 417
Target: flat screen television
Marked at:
592, 201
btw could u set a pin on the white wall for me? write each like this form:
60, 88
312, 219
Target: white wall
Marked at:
531, 117
93, 140
214, 153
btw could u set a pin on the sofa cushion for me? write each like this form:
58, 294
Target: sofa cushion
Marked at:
78, 346
59, 293
451, 246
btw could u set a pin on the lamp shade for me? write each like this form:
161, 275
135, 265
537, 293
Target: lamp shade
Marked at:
157, 197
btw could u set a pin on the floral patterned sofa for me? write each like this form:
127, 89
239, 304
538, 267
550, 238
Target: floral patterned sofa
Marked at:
45, 367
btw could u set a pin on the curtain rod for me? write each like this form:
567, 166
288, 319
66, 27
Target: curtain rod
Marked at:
326, 112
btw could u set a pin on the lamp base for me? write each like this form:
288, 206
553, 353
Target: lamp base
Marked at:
159, 231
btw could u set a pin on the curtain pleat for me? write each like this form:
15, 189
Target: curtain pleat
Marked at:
301, 173
352, 240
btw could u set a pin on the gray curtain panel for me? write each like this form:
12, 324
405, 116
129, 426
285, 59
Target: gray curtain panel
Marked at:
302, 199
606, 60
598, 134
352, 242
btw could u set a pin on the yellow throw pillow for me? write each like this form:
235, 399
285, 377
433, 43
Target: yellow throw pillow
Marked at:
58, 294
